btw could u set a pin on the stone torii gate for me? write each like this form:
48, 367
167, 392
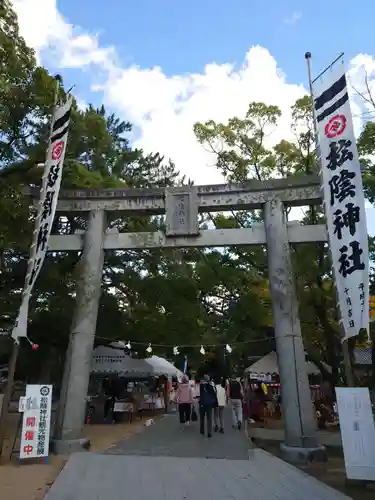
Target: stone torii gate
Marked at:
181, 205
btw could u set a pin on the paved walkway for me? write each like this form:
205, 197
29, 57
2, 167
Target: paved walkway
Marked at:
167, 463
166, 438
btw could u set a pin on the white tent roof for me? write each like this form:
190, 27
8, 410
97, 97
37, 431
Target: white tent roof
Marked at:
110, 360
163, 366
269, 364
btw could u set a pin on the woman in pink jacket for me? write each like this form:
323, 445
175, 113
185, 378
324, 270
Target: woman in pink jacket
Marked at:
184, 400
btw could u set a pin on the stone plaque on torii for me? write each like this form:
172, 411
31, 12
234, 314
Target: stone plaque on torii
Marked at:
181, 206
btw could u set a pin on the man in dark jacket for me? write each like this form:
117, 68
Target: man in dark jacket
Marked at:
235, 396
207, 403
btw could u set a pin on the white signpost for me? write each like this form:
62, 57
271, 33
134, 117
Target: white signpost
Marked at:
357, 432
36, 425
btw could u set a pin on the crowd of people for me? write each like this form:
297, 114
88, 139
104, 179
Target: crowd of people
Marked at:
208, 399
248, 399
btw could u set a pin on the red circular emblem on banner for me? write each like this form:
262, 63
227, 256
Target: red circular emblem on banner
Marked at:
335, 126
57, 150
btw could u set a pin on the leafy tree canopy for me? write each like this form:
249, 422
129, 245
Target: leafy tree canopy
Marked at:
167, 297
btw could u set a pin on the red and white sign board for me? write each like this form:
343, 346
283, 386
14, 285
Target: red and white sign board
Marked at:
36, 425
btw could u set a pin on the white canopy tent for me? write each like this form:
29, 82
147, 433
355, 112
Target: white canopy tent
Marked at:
269, 365
163, 367
108, 360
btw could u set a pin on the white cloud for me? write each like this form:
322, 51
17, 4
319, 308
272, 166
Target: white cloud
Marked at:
293, 18
165, 108
82, 105
362, 68
45, 29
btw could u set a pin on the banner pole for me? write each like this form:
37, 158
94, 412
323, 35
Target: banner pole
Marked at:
15, 345
347, 364
308, 62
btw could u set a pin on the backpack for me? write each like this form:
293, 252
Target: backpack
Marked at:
208, 394
235, 390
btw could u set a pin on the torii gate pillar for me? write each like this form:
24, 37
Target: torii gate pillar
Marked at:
300, 443
71, 414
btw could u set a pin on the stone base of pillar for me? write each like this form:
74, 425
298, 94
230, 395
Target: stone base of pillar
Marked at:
303, 456
69, 446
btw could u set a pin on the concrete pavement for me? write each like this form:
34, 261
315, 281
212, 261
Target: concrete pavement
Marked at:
165, 438
167, 463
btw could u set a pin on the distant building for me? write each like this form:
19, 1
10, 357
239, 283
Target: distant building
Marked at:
362, 360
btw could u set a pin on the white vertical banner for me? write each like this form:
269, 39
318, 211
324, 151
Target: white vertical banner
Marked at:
36, 423
49, 194
343, 198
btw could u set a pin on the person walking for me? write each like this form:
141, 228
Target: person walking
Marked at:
235, 396
207, 403
109, 404
219, 409
184, 400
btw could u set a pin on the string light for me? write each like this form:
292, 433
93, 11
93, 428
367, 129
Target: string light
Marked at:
149, 349
228, 348
191, 346
202, 351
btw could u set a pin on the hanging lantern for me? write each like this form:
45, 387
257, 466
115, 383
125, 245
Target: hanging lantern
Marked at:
34, 347
176, 352
202, 351
228, 348
128, 345
149, 349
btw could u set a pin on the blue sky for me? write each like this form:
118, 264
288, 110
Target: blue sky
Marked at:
182, 37
164, 65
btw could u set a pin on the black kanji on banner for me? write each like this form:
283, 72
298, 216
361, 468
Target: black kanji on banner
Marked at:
348, 219
35, 270
341, 186
339, 154
53, 175
350, 259
42, 237
47, 205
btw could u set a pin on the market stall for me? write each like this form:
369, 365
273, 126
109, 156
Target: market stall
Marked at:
125, 386
264, 373
268, 367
